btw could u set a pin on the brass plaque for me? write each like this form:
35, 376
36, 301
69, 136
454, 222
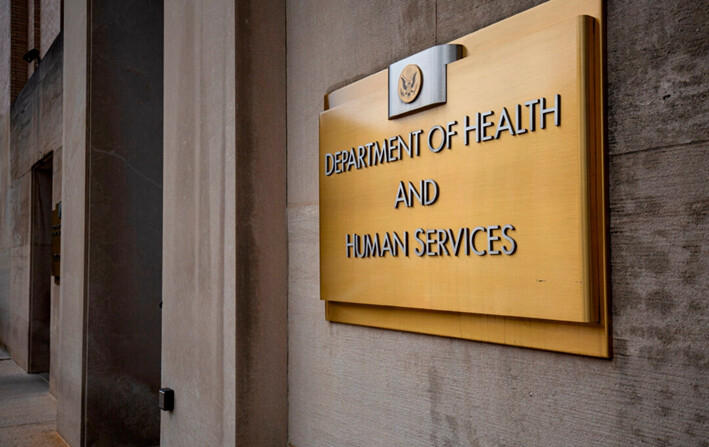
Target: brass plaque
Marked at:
482, 216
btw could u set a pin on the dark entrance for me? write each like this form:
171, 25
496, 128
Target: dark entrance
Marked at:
40, 266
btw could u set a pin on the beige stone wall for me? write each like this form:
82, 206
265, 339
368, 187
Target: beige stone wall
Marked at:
358, 386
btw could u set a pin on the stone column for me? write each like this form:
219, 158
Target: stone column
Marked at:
261, 225
111, 283
224, 257
198, 256
74, 143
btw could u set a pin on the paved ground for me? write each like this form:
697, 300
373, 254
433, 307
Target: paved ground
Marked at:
28, 414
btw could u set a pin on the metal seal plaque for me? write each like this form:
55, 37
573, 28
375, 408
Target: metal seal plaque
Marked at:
410, 81
407, 90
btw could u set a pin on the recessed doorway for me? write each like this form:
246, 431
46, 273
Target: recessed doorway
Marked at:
40, 266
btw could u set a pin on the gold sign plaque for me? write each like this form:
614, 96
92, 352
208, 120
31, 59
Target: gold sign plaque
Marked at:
484, 217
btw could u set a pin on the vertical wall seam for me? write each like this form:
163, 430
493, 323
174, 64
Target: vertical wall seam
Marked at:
285, 211
87, 224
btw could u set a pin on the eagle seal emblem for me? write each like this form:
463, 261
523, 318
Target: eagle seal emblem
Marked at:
410, 81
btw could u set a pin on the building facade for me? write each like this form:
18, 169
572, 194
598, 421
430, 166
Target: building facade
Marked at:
180, 142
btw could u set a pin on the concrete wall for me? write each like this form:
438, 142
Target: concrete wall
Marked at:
351, 385
33, 132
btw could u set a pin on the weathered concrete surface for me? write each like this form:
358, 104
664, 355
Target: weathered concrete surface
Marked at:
357, 386
658, 57
27, 411
455, 18
199, 203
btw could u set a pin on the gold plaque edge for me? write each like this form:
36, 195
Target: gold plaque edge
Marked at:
572, 338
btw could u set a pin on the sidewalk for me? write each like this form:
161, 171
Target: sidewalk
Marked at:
28, 414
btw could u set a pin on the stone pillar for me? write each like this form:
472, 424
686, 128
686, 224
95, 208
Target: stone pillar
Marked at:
112, 224
198, 357
74, 156
261, 225
224, 256
198, 257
